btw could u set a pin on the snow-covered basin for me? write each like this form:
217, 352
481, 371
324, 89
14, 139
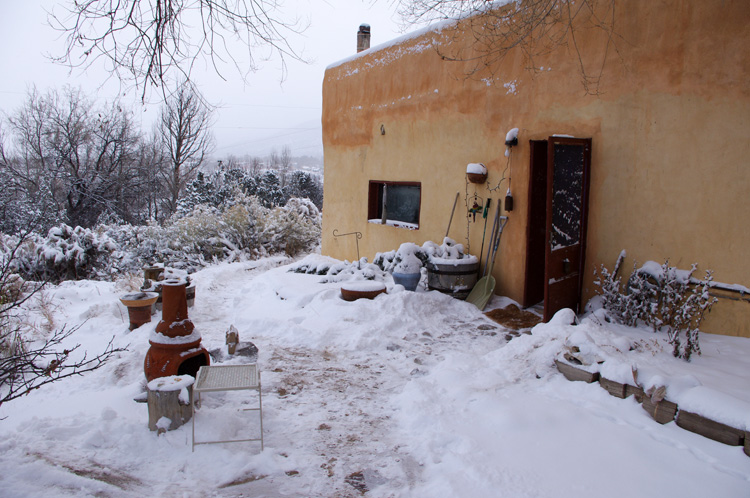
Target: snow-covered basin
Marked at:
416, 392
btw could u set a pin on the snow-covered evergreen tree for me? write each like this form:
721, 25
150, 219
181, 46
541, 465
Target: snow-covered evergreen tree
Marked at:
269, 190
302, 184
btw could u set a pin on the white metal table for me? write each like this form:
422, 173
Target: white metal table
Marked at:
228, 378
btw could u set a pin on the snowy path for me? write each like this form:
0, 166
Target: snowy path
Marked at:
407, 395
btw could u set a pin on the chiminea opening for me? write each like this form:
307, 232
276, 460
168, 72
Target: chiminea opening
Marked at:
192, 365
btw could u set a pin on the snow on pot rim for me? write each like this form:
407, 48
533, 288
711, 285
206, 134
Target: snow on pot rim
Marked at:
476, 168
363, 286
361, 289
138, 299
468, 259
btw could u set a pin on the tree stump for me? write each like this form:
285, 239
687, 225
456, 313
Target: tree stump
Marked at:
169, 401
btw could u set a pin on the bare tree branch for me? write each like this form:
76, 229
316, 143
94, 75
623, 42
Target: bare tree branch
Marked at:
146, 41
185, 131
535, 27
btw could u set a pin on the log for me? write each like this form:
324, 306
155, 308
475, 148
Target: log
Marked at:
613, 388
747, 443
169, 402
710, 428
634, 391
572, 373
662, 411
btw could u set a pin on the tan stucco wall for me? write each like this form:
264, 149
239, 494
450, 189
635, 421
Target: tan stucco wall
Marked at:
669, 178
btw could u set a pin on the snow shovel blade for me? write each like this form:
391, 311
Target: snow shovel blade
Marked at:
482, 292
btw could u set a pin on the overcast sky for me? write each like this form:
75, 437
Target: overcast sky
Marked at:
251, 118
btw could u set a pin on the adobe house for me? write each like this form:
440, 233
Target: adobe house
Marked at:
654, 160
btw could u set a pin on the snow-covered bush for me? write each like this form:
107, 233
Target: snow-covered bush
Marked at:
339, 271
662, 297
407, 255
293, 228
65, 253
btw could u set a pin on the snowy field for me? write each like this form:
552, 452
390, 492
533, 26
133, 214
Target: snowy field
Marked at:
406, 395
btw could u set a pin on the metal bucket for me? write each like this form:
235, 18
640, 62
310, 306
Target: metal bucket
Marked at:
454, 279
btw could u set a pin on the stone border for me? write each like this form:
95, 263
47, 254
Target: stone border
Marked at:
662, 411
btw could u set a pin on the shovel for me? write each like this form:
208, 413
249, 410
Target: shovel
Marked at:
484, 288
482, 292
484, 215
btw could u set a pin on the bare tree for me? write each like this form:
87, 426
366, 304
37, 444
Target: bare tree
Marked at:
147, 40
255, 165
535, 27
285, 163
75, 154
151, 164
185, 131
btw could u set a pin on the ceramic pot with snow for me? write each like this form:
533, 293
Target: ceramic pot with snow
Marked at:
410, 281
139, 306
408, 270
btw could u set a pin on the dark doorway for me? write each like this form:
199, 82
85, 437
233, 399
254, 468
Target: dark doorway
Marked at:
536, 229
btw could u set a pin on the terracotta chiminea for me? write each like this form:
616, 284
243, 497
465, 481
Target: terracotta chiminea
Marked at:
175, 345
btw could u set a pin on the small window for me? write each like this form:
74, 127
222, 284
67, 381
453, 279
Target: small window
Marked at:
395, 203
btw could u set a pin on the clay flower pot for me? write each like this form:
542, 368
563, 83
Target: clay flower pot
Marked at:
139, 306
361, 289
476, 172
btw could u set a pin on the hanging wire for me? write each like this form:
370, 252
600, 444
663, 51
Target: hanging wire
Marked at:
500, 182
468, 222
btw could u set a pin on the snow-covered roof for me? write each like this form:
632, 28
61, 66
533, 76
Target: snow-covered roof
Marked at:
436, 28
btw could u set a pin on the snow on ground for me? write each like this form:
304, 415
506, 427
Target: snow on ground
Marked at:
407, 395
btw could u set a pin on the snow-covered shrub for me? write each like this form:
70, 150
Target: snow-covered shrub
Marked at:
340, 271
662, 297
409, 258
65, 253
411, 253
293, 228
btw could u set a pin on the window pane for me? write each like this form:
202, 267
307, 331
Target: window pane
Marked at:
402, 203
567, 195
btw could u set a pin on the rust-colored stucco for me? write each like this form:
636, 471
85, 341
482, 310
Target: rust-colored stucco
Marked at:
669, 173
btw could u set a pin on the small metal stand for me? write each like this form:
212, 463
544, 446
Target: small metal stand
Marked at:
228, 378
359, 236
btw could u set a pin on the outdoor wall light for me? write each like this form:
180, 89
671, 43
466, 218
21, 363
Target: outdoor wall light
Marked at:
511, 138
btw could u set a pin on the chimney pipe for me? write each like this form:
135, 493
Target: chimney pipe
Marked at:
363, 37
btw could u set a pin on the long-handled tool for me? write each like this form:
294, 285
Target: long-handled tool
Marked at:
455, 201
484, 215
487, 282
482, 292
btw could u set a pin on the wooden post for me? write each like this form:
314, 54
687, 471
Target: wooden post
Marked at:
169, 402
233, 338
